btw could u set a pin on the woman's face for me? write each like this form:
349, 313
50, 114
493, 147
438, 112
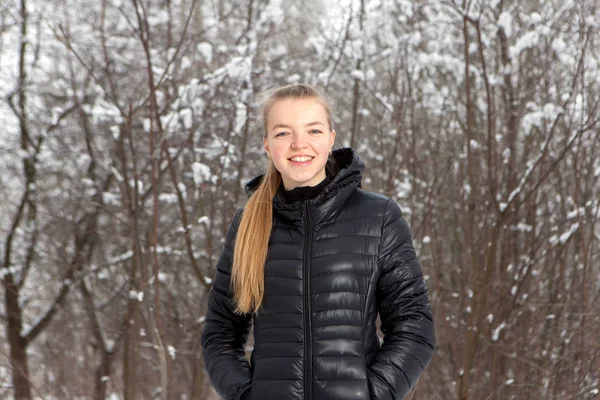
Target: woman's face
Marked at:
298, 140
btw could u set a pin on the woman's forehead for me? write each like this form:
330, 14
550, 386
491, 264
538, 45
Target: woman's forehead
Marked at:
297, 111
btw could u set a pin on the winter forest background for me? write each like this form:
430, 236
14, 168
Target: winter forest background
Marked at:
128, 128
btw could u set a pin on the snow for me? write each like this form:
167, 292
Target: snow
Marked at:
201, 173
506, 155
135, 295
552, 111
505, 22
186, 118
532, 119
111, 198
404, 189
473, 48
27, 328
103, 111
11, 270
182, 188
183, 229
102, 275
169, 198
295, 78
225, 161
241, 116
535, 18
558, 45
562, 239
122, 257
83, 161
162, 277
496, 332
467, 190
357, 74
272, 13
172, 351
523, 227
115, 131
239, 68
591, 22
185, 63
580, 211
526, 41
158, 17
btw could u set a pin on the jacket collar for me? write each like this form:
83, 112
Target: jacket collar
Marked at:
348, 171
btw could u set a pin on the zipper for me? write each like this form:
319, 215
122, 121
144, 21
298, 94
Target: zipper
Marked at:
307, 308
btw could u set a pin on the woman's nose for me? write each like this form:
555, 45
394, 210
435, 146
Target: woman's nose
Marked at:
299, 141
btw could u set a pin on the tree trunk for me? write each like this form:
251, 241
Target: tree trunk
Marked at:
102, 374
18, 345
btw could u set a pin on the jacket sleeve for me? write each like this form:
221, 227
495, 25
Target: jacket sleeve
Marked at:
406, 317
225, 332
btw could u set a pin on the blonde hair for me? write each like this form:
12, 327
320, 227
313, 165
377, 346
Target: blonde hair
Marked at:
252, 240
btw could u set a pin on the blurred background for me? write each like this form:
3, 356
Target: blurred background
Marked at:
128, 128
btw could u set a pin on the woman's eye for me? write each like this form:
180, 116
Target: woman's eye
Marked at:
315, 131
280, 134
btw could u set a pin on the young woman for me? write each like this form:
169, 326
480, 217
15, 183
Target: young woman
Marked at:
311, 261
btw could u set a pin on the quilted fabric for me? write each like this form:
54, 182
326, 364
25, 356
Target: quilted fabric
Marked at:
334, 263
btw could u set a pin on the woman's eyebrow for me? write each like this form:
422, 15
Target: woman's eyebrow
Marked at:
314, 123
280, 126
289, 127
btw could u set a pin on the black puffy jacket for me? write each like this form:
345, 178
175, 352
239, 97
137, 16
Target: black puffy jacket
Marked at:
334, 263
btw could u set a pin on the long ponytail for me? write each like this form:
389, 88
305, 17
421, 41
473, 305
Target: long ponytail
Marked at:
252, 242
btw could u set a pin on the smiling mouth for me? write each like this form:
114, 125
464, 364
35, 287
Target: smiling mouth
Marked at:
301, 159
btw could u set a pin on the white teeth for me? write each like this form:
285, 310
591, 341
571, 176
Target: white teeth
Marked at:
301, 159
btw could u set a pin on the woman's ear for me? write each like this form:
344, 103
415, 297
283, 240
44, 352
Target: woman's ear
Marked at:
332, 138
266, 146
